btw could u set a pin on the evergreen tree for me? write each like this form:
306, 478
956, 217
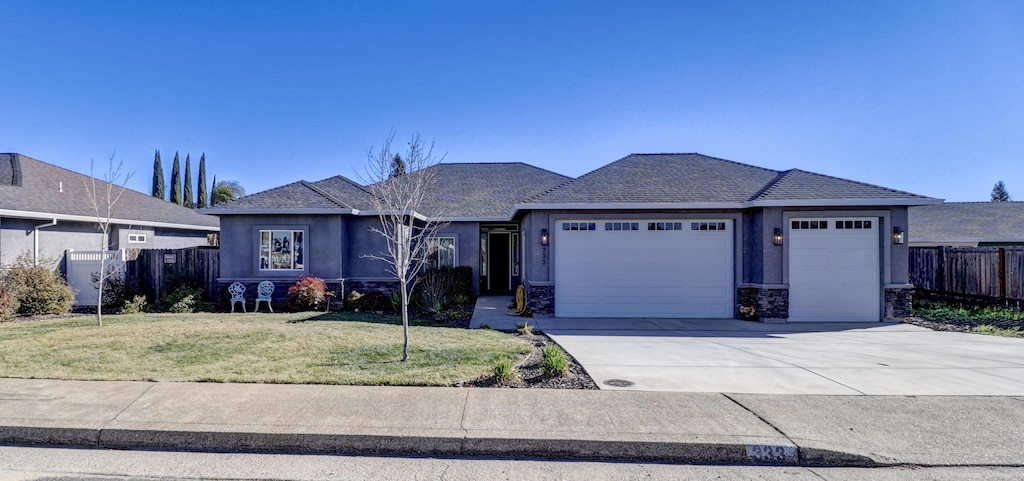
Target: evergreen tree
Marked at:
212, 186
187, 201
176, 181
999, 193
397, 167
226, 191
201, 196
158, 178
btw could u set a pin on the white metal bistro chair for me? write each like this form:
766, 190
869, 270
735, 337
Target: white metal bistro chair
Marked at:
264, 291
237, 291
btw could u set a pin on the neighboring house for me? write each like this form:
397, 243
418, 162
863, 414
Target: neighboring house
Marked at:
45, 211
649, 235
967, 224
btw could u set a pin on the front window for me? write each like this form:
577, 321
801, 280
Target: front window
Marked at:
281, 250
441, 252
137, 238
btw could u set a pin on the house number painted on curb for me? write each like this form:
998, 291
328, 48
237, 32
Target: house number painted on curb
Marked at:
774, 453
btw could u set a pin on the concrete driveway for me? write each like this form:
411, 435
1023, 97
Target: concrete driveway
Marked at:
724, 355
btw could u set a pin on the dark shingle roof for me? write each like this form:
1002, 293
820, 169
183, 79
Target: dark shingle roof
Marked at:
653, 178
486, 190
800, 184
50, 190
696, 178
329, 194
967, 222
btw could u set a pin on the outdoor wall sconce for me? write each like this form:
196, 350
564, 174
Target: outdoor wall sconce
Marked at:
544, 244
898, 236
777, 237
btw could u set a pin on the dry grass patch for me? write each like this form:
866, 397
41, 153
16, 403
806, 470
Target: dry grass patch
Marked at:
300, 348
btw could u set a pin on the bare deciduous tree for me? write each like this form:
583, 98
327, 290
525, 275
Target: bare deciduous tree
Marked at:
104, 196
407, 222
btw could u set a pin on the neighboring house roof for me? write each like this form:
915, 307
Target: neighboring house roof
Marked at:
695, 180
967, 223
34, 189
486, 191
334, 195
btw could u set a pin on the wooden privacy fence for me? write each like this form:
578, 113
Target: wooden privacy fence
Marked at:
984, 275
154, 270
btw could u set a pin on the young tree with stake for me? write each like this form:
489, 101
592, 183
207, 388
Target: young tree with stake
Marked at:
406, 224
104, 196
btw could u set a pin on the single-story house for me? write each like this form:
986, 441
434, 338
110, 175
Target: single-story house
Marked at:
649, 235
967, 224
45, 211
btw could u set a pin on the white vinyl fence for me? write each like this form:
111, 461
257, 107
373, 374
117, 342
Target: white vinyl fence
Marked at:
80, 267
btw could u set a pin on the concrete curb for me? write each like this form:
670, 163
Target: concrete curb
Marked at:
763, 451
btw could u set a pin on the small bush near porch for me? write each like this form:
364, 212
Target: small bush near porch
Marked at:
306, 348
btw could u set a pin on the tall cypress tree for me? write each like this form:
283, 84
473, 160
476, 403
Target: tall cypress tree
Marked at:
158, 178
187, 202
201, 200
176, 181
213, 188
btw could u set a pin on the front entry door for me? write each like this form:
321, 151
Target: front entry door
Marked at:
498, 261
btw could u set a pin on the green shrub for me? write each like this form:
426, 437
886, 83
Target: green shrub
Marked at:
135, 305
396, 300
524, 328
115, 290
998, 331
181, 297
555, 362
38, 289
484, 325
308, 293
505, 371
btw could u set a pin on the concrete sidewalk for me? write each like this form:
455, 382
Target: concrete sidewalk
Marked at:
681, 427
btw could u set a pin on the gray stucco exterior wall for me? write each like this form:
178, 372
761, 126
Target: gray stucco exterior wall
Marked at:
239, 252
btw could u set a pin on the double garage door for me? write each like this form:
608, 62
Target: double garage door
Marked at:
644, 268
684, 268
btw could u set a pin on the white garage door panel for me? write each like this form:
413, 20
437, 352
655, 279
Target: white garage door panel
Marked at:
834, 273
642, 273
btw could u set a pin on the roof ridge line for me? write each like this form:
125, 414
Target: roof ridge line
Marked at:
326, 194
781, 174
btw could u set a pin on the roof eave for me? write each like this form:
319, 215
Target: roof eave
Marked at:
276, 211
901, 201
84, 218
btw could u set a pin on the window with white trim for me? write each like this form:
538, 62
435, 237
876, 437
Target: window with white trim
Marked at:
282, 250
441, 252
137, 238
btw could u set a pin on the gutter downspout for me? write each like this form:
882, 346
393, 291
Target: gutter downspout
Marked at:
35, 240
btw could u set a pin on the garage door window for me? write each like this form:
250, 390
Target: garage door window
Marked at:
664, 226
621, 226
707, 226
853, 224
812, 224
579, 226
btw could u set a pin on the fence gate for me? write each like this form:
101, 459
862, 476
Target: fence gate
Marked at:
80, 267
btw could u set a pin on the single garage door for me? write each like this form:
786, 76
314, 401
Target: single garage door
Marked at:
834, 270
644, 268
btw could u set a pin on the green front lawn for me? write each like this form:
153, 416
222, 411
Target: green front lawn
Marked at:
301, 348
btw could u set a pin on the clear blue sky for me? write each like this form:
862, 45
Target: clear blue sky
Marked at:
924, 96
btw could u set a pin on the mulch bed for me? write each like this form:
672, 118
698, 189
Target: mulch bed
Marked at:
531, 375
954, 325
